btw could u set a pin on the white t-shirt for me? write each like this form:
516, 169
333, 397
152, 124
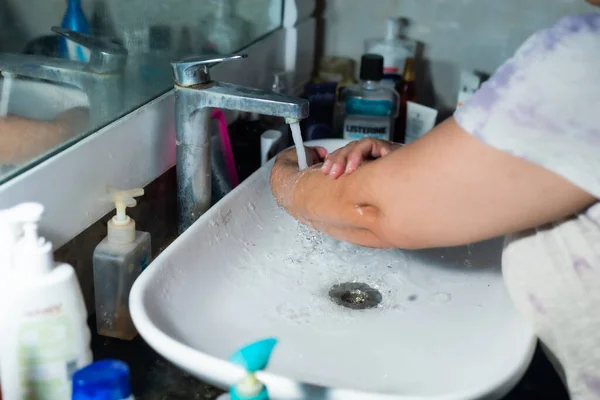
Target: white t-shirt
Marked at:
543, 105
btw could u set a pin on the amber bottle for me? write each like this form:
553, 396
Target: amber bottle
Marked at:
407, 93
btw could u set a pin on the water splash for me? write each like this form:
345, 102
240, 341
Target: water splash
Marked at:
303, 162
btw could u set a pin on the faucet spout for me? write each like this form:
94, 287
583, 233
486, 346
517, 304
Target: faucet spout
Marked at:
47, 68
193, 106
240, 98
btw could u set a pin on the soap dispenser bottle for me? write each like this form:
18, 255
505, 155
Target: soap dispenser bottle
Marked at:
10, 232
118, 260
395, 48
253, 358
75, 20
53, 335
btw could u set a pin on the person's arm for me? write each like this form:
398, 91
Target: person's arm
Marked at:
22, 138
445, 189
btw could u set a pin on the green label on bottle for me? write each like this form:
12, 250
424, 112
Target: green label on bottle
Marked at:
46, 355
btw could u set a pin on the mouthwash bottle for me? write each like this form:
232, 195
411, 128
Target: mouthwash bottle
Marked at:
369, 108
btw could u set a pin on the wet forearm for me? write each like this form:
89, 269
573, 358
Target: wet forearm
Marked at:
21, 139
335, 207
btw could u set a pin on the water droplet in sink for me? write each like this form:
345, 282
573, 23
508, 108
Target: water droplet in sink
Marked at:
440, 298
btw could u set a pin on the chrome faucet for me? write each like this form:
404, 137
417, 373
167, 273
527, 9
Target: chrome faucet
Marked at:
195, 94
101, 78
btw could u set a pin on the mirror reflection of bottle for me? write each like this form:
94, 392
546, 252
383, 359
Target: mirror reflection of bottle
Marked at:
75, 20
370, 108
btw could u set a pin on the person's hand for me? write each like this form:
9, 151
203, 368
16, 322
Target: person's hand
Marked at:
285, 173
350, 157
314, 155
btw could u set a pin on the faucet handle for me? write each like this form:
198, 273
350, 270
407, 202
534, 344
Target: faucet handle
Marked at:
195, 70
105, 55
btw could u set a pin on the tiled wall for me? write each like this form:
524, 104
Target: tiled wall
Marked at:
33, 18
471, 34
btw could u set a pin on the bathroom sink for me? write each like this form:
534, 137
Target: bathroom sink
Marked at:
352, 323
41, 100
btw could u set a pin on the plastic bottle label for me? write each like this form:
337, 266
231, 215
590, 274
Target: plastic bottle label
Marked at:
45, 354
368, 118
394, 58
358, 127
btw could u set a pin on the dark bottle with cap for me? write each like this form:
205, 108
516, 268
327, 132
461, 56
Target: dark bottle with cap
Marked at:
369, 108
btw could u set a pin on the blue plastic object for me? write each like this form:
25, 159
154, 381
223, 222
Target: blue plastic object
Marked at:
253, 357
102, 380
75, 20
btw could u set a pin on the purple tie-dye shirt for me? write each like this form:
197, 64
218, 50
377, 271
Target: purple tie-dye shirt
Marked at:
543, 105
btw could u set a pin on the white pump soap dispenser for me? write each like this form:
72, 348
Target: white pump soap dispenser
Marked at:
53, 336
118, 260
10, 232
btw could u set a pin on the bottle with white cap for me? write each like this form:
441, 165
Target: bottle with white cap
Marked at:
53, 336
395, 48
11, 221
118, 260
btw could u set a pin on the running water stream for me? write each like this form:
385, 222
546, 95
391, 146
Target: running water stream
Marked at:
303, 162
6, 84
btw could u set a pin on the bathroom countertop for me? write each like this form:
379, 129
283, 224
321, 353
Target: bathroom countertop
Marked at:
154, 378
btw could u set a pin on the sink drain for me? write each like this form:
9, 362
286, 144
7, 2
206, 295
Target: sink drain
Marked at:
355, 295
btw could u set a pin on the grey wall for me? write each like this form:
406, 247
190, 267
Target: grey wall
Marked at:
471, 34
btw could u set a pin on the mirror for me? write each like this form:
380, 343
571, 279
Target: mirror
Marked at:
58, 85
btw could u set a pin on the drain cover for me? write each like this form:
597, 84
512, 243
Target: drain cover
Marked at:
355, 295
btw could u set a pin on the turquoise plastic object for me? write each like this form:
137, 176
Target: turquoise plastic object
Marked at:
253, 357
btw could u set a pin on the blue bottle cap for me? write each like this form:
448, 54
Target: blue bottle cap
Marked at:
102, 380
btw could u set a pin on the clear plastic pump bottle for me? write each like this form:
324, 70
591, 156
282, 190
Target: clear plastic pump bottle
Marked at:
118, 260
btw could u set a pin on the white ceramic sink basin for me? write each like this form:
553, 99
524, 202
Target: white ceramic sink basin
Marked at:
445, 327
40, 100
